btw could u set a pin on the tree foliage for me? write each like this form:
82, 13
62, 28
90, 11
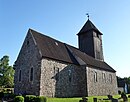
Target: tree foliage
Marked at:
6, 73
127, 81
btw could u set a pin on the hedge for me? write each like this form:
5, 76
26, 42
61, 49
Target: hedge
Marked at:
40, 99
29, 98
19, 99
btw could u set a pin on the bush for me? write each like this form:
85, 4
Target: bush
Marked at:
9, 95
19, 99
1, 95
6, 90
30, 98
40, 99
9, 90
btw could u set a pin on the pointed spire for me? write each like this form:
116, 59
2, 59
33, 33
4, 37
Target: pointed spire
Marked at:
88, 26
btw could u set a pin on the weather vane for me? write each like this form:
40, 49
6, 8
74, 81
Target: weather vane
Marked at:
87, 15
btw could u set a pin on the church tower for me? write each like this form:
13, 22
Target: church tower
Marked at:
90, 41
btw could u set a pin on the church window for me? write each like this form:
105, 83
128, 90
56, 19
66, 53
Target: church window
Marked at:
20, 75
110, 78
95, 76
103, 77
70, 75
56, 73
31, 74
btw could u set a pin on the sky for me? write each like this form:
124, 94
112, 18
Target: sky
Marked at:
62, 20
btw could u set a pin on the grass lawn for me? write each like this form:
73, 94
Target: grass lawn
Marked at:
63, 99
90, 99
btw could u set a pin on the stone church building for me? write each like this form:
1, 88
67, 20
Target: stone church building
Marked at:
48, 67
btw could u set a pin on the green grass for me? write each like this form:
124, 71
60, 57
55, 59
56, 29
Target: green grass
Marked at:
63, 99
90, 99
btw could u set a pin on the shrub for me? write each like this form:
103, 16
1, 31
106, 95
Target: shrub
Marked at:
9, 95
1, 95
9, 90
5, 90
40, 99
30, 98
19, 99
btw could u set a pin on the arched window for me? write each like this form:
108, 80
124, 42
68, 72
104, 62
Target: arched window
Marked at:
103, 77
70, 75
20, 75
95, 76
110, 78
31, 74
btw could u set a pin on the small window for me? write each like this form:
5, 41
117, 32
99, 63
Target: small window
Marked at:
31, 74
20, 75
110, 78
95, 76
103, 77
70, 75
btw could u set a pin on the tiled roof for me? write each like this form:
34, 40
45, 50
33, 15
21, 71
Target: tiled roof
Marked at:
87, 27
54, 49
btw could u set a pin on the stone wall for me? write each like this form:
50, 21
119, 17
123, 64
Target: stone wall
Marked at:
60, 79
28, 58
101, 82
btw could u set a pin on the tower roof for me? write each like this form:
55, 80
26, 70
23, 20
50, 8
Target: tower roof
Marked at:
87, 27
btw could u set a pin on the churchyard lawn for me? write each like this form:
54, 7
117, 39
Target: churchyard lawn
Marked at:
90, 99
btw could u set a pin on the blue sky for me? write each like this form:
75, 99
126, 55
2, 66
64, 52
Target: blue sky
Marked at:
62, 20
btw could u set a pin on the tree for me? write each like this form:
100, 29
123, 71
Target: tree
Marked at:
127, 80
6, 73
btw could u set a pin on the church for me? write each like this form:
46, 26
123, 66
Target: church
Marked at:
48, 67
